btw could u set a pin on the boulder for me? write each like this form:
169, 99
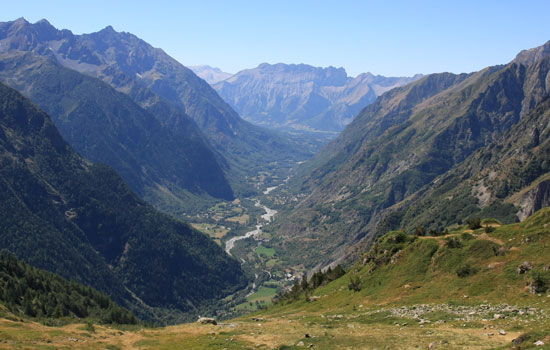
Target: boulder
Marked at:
523, 268
207, 320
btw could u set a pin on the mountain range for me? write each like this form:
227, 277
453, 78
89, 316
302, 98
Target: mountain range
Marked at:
300, 96
435, 152
161, 85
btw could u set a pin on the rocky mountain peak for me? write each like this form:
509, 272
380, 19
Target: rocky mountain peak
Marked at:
533, 55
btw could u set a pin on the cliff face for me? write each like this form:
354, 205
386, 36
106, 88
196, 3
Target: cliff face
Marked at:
534, 200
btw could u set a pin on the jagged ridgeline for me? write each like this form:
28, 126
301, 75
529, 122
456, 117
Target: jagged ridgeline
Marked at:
434, 152
29, 291
64, 214
302, 97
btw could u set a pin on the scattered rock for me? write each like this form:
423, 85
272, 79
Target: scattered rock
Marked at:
432, 346
207, 320
546, 267
498, 317
300, 343
257, 319
314, 298
523, 268
501, 332
539, 343
307, 335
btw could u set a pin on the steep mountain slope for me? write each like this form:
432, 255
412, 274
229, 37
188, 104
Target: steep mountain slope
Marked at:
211, 75
64, 214
301, 96
107, 126
129, 64
509, 179
401, 143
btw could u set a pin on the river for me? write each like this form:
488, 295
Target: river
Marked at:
268, 216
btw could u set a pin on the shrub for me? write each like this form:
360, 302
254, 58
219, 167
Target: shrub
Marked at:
466, 270
419, 230
453, 242
465, 236
489, 229
354, 283
474, 223
539, 283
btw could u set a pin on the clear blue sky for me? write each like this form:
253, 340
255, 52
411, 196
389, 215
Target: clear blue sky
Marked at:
383, 37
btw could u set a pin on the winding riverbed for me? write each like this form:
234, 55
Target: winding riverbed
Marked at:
269, 214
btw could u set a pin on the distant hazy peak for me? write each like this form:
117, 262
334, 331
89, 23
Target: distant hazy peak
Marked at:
203, 67
210, 74
533, 55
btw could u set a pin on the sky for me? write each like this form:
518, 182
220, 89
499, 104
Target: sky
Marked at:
391, 38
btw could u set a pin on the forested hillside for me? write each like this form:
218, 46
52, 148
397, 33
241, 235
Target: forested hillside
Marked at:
64, 214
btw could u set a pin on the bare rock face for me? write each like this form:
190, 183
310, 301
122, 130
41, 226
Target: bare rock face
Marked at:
535, 199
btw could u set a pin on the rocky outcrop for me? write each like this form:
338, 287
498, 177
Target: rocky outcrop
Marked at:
535, 199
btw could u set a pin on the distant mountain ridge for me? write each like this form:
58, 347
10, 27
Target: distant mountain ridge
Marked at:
303, 97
